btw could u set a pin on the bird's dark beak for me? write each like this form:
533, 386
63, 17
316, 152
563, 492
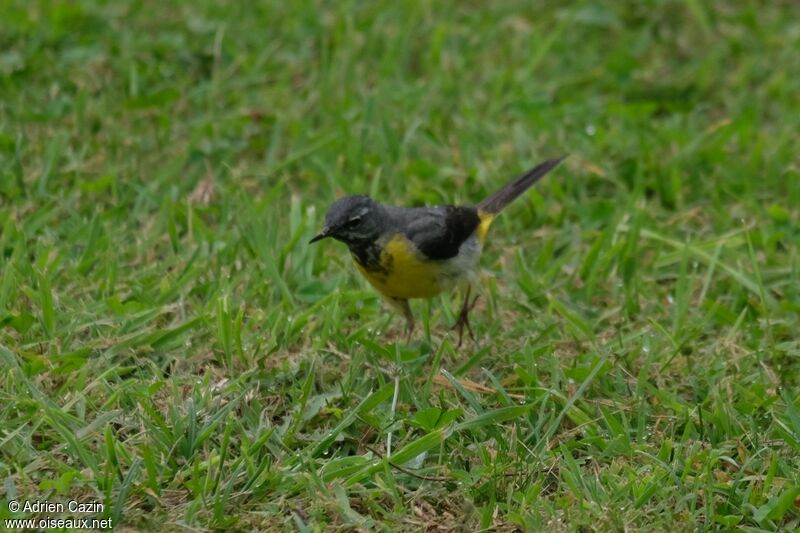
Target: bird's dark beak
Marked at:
321, 235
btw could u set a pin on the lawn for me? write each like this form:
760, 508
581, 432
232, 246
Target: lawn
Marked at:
172, 347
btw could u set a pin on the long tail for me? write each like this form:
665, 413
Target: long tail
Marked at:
496, 202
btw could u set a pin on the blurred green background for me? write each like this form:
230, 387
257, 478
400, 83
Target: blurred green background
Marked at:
172, 347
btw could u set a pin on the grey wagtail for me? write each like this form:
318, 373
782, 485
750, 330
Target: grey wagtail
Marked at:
419, 252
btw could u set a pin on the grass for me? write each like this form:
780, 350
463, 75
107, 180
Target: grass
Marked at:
173, 348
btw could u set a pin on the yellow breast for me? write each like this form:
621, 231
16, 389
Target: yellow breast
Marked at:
405, 273
486, 221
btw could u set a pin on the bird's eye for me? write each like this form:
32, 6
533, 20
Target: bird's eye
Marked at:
353, 222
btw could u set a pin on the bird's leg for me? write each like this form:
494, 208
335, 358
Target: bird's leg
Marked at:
402, 306
463, 318
409, 327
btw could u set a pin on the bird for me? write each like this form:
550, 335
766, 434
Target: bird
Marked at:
420, 252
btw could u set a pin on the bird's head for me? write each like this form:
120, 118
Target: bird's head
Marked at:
353, 220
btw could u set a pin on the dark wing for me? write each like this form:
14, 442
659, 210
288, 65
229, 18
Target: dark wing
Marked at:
437, 232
